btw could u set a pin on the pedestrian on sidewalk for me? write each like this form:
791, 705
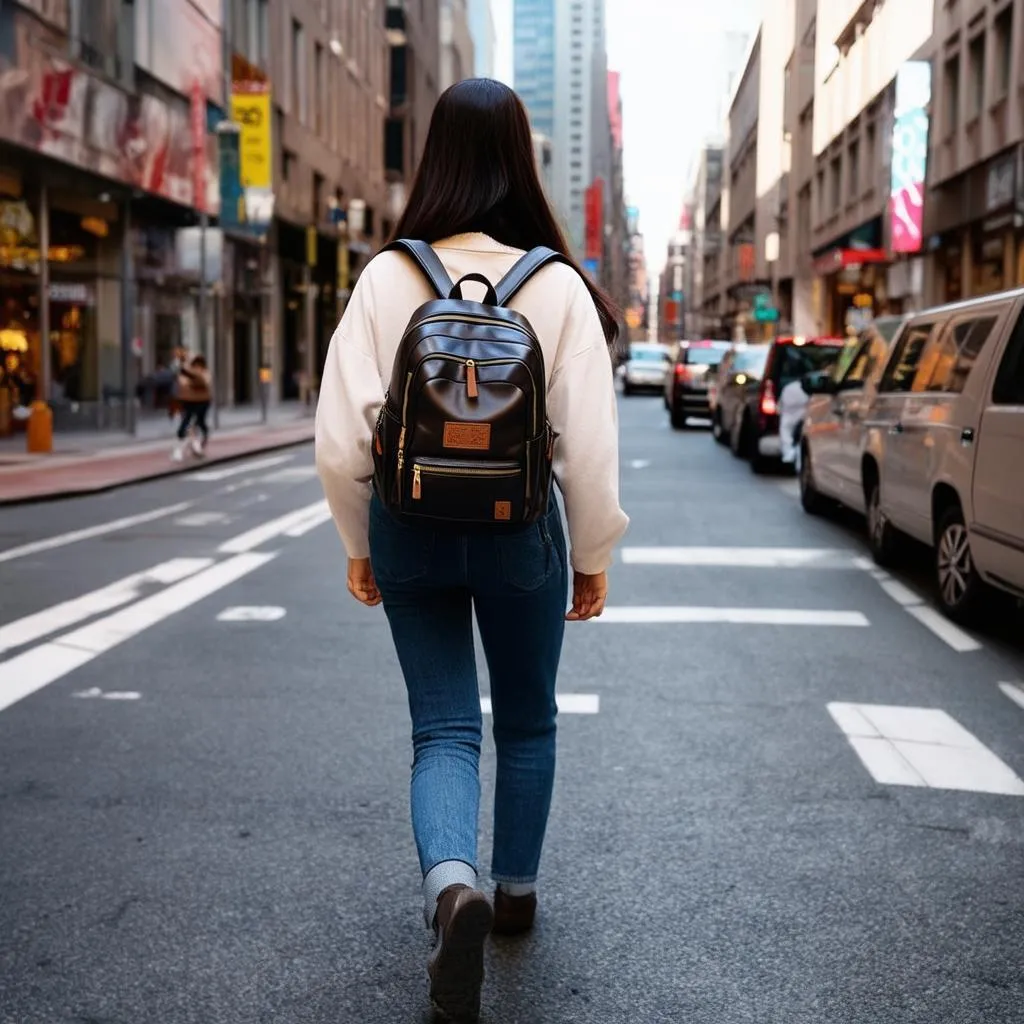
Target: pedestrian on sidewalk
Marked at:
478, 202
194, 394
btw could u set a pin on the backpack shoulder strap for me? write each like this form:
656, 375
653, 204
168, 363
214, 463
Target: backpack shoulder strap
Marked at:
428, 262
534, 261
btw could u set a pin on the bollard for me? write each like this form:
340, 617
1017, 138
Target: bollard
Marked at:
40, 428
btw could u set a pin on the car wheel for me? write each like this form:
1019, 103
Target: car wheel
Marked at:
811, 498
678, 419
717, 430
759, 464
962, 591
883, 538
627, 388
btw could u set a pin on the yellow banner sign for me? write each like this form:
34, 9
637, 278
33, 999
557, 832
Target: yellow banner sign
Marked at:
251, 111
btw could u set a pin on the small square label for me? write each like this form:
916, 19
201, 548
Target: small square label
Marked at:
503, 511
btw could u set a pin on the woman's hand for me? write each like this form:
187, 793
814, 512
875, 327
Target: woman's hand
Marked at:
361, 584
589, 594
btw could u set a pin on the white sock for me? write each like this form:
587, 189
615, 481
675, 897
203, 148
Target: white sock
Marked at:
517, 888
439, 877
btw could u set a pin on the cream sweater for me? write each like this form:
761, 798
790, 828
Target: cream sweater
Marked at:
581, 394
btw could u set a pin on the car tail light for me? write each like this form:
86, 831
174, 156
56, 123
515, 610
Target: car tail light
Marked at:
769, 406
683, 373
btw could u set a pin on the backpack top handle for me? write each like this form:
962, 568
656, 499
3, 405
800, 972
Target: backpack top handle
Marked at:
490, 299
428, 262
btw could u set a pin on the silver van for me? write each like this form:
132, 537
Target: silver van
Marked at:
943, 453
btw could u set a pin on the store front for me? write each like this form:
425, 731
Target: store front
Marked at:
83, 305
853, 271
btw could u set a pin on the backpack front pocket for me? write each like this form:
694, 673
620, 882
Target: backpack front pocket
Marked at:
471, 492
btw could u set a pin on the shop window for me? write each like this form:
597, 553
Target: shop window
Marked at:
1009, 386
903, 367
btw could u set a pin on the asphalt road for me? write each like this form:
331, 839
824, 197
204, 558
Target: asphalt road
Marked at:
205, 819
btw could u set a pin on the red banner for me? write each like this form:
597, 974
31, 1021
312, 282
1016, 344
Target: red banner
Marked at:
595, 220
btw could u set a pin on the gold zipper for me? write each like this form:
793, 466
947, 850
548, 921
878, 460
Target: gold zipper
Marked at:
470, 320
418, 471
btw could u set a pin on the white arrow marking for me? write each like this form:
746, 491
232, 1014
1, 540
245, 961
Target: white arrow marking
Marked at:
254, 613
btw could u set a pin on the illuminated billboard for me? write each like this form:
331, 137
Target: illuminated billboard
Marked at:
909, 156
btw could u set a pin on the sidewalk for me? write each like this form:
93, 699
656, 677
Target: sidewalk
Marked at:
88, 462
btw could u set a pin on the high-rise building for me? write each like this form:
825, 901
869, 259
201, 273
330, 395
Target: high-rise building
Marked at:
457, 46
481, 25
560, 72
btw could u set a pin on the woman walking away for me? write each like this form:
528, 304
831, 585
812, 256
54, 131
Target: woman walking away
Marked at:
194, 394
446, 413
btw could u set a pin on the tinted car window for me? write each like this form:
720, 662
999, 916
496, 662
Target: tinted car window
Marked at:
1009, 386
751, 361
648, 355
902, 368
703, 355
793, 361
971, 337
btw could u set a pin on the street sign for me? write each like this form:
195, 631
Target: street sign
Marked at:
765, 314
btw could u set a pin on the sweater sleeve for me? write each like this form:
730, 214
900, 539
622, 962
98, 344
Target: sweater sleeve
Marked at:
583, 412
351, 395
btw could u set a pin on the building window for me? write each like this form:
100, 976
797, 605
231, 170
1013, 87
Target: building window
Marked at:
821, 196
1004, 51
869, 151
976, 64
953, 94
101, 36
854, 171
287, 164
319, 89
298, 80
837, 184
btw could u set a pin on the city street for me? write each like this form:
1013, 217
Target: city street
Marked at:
204, 757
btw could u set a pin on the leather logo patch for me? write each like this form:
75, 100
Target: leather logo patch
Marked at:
503, 511
468, 436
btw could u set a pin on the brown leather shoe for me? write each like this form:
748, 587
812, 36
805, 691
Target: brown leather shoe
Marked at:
456, 967
513, 915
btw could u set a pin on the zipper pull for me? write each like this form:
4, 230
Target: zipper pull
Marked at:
471, 388
417, 484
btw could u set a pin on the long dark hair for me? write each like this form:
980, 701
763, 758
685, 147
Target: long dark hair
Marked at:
478, 174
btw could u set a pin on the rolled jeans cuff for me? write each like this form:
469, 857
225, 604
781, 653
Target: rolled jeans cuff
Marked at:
438, 878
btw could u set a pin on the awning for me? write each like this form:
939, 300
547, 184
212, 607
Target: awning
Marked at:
834, 260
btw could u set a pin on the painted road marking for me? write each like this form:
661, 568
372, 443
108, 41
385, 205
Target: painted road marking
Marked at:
568, 704
944, 629
97, 694
321, 517
213, 475
69, 613
42, 665
92, 531
292, 475
253, 613
202, 519
751, 558
734, 616
1015, 692
252, 539
922, 747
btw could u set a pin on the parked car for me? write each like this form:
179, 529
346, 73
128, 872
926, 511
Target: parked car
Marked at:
686, 387
754, 432
945, 446
834, 429
646, 368
739, 375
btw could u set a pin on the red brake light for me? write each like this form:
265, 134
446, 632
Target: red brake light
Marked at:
769, 406
682, 371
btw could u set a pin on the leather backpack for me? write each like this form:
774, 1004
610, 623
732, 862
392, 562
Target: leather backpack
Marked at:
463, 435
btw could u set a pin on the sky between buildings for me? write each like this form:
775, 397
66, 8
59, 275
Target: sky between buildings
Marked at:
672, 55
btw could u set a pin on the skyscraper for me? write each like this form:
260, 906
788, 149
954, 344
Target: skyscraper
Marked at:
560, 72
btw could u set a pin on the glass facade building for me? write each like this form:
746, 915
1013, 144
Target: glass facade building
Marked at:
535, 61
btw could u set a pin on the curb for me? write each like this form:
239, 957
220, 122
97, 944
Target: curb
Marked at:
169, 470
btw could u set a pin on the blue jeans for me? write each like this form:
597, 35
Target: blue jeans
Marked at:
431, 581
